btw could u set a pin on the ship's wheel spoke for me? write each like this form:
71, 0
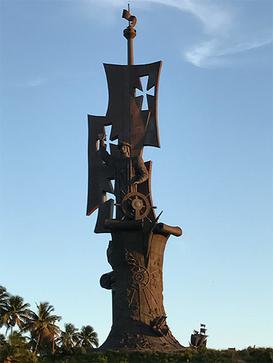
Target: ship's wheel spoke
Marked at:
137, 214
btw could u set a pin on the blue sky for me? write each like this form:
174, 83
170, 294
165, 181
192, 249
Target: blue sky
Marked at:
212, 175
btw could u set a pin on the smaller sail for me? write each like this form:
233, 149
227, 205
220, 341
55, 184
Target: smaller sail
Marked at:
99, 174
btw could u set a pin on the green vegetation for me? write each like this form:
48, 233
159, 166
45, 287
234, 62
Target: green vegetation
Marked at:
250, 355
32, 337
35, 337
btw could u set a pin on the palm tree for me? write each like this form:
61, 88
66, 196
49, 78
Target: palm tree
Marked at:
42, 326
68, 338
16, 312
4, 296
87, 338
15, 350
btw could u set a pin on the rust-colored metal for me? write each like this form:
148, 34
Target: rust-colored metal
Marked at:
129, 122
129, 33
138, 240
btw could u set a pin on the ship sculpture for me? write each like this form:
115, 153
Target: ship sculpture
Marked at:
199, 338
138, 240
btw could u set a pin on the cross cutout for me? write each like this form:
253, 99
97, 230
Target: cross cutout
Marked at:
144, 92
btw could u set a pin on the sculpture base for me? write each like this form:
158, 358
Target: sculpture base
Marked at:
139, 337
139, 318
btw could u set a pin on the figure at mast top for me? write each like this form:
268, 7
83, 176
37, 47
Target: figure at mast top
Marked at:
129, 33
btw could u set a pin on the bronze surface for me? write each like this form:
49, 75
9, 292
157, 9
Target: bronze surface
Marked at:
116, 167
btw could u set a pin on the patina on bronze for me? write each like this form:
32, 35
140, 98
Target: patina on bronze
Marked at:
136, 249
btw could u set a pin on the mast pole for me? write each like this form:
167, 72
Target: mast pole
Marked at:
129, 33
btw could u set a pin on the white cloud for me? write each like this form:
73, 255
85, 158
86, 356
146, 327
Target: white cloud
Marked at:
223, 34
222, 30
213, 17
36, 82
212, 53
199, 54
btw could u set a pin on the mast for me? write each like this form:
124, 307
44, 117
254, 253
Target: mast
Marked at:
129, 33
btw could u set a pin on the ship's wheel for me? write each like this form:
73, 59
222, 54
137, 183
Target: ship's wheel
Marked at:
136, 206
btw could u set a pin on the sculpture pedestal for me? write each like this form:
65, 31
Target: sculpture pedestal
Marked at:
139, 318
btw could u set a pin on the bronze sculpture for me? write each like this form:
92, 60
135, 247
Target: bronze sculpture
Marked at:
138, 240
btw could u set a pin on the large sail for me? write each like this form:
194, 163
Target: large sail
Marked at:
129, 121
